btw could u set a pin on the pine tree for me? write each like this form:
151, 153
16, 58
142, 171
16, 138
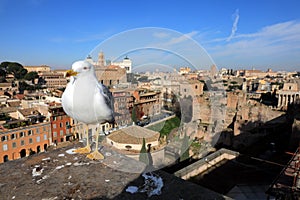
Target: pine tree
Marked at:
133, 114
143, 153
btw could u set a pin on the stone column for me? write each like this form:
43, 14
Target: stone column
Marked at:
293, 98
279, 101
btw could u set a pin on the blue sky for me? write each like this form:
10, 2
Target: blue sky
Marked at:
235, 34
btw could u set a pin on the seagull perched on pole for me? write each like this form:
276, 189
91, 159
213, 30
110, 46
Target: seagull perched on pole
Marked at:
87, 101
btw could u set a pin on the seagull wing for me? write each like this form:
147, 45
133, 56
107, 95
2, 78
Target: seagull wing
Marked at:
109, 100
67, 98
104, 103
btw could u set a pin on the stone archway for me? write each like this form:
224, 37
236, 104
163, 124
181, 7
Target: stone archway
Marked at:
5, 158
23, 153
38, 149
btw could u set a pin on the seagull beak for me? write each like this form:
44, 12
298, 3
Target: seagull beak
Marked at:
71, 73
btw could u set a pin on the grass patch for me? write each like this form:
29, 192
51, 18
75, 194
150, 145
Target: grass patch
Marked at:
164, 128
196, 145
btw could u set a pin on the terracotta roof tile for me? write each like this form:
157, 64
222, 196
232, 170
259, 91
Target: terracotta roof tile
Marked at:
133, 135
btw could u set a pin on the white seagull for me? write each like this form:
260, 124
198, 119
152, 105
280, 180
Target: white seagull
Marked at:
88, 101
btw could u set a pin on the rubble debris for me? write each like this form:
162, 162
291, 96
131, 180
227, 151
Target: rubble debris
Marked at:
152, 186
37, 171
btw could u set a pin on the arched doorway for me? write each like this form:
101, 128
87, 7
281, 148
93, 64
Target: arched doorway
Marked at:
23, 153
5, 158
45, 147
38, 149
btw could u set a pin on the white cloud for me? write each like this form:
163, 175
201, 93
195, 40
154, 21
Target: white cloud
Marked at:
274, 44
234, 25
181, 38
160, 34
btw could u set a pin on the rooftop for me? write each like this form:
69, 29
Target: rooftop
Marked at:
58, 175
133, 135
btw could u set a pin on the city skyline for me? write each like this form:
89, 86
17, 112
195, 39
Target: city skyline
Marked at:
234, 34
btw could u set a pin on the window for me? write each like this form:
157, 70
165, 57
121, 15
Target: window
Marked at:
54, 125
30, 141
22, 142
61, 132
13, 136
4, 138
44, 128
54, 118
22, 134
14, 145
38, 139
61, 125
54, 134
29, 132
5, 148
67, 124
37, 130
45, 136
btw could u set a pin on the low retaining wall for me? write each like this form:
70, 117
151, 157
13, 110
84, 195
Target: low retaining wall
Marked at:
158, 157
159, 121
206, 163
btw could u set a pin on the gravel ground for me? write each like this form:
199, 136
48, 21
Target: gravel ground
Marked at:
56, 174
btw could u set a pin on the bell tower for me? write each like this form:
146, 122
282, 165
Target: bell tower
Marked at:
101, 60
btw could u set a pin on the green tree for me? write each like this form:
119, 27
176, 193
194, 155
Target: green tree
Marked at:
17, 70
2, 72
31, 76
24, 86
133, 114
143, 153
3, 68
143, 79
176, 105
41, 81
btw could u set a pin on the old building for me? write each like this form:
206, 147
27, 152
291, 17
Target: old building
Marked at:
124, 64
20, 138
191, 88
60, 125
184, 70
110, 75
38, 69
132, 138
256, 73
290, 93
122, 107
146, 103
54, 79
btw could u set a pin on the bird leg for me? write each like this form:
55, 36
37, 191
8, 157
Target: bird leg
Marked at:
87, 148
96, 155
